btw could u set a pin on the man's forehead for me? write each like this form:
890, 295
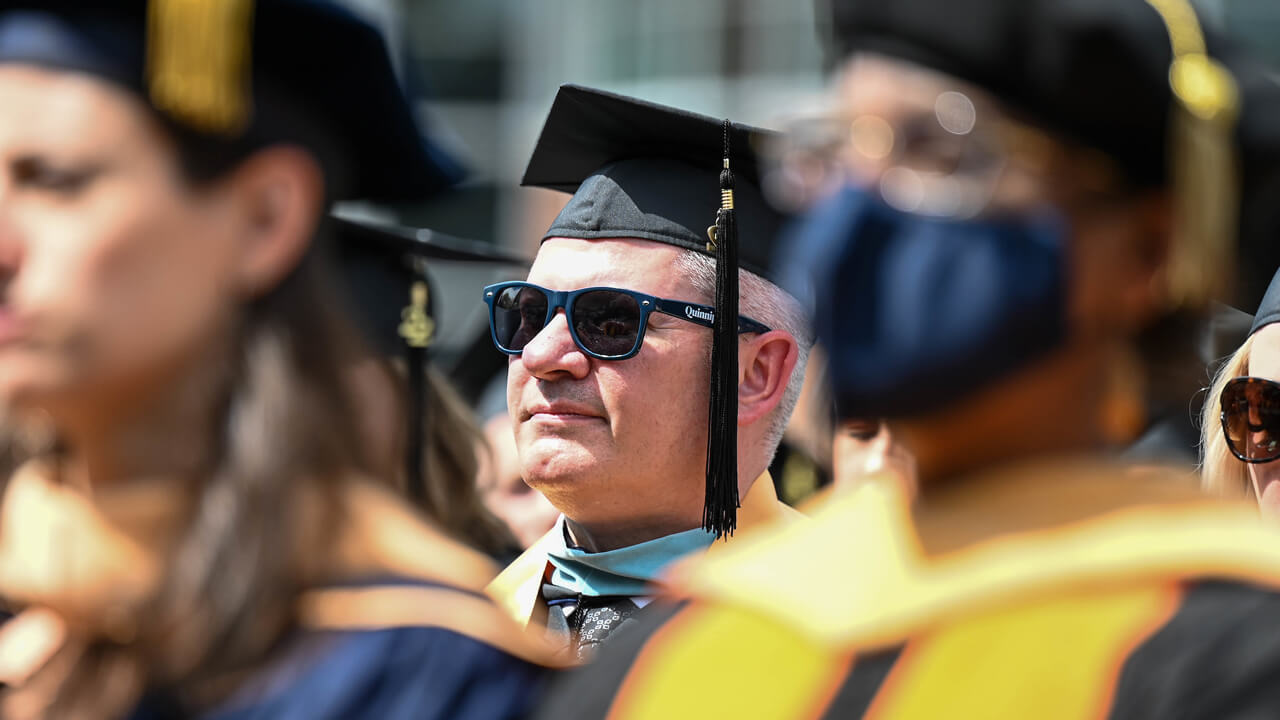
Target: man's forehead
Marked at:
632, 263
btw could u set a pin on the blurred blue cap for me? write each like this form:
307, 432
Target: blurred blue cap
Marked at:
243, 73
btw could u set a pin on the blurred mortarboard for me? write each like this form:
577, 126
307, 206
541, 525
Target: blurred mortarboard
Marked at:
1171, 102
1097, 70
642, 170
382, 262
229, 70
385, 268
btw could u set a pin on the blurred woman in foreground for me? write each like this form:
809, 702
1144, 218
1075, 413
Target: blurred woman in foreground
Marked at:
193, 533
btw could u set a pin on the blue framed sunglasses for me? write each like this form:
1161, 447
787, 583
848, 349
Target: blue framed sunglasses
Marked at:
606, 323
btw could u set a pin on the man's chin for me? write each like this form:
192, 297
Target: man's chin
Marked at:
559, 478
555, 462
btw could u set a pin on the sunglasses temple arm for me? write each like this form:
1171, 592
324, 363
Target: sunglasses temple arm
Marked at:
703, 315
698, 314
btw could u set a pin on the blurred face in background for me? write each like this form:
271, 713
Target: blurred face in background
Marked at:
947, 157
866, 450
935, 145
525, 511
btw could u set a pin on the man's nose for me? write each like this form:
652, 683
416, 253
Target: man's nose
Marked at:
552, 354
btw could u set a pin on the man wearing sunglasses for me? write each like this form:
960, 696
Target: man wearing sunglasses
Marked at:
616, 356
1026, 199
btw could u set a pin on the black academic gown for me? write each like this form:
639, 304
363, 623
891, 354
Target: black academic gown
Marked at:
437, 667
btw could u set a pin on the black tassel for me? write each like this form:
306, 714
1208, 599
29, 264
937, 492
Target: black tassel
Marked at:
415, 448
720, 508
417, 329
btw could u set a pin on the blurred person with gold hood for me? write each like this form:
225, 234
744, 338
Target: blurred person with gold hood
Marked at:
1020, 207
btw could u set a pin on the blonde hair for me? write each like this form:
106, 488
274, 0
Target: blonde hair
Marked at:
1222, 473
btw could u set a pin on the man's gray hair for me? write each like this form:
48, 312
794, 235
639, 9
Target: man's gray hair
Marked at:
759, 300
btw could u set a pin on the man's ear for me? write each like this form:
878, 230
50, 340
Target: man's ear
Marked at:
280, 192
765, 363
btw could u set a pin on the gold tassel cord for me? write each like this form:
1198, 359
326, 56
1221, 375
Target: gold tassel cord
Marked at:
1184, 29
1203, 160
198, 62
726, 203
726, 194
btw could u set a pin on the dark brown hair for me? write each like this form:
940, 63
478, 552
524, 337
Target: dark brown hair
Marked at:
451, 442
227, 597
450, 497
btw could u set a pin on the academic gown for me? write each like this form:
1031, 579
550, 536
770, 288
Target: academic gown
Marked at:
518, 588
1062, 590
388, 648
396, 624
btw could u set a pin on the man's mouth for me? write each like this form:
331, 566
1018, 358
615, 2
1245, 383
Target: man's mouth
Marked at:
562, 412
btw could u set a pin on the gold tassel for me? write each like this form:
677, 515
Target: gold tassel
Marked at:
1203, 161
198, 55
726, 203
416, 326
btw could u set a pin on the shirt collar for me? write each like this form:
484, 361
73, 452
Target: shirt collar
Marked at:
628, 571
631, 571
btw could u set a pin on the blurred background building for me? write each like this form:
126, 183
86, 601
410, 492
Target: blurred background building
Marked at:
487, 71
1255, 22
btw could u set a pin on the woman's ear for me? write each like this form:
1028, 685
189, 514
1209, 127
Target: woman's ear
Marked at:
280, 193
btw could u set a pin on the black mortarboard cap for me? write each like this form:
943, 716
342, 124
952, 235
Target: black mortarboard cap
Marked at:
385, 268
1171, 101
641, 170
225, 68
1269, 310
1259, 133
